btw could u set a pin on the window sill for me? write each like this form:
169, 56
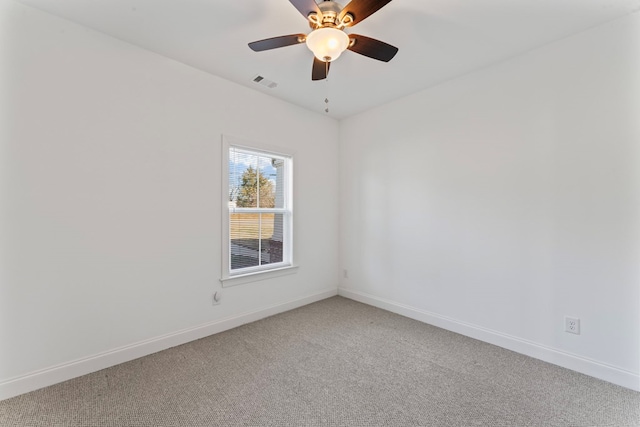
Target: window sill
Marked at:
257, 276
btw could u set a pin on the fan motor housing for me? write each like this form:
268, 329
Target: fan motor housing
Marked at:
329, 6
330, 11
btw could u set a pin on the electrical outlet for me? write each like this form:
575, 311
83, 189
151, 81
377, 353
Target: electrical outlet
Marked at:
345, 273
572, 325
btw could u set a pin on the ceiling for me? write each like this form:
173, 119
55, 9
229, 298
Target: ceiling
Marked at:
438, 40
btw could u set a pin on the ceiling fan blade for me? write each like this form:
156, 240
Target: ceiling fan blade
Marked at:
306, 7
362, 9
320, 69
276, 42
372, 48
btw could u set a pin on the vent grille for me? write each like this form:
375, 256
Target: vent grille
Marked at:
265, 82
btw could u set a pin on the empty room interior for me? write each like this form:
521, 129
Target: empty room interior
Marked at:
444, 212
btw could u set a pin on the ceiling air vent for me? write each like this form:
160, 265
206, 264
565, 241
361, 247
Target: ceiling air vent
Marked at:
265, 82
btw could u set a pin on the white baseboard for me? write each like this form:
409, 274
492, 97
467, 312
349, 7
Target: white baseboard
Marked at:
66, 371
574, 362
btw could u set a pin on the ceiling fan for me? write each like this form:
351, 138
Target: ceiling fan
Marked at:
328, 40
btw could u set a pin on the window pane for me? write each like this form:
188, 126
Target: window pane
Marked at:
277, 176
256, 239
243, 179
255, 181
272, 226
245, 242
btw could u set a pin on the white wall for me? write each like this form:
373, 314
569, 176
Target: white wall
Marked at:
497, 203
110, 196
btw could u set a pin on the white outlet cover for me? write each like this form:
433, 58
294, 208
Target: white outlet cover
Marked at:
572, 325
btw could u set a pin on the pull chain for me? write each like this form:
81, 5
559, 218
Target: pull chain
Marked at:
326, 99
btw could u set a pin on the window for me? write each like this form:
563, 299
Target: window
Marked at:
257, 211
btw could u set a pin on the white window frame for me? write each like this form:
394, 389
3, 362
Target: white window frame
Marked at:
287, 266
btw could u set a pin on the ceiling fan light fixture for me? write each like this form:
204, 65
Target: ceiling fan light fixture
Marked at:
327, 43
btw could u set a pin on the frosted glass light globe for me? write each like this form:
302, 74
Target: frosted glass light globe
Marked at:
327, 43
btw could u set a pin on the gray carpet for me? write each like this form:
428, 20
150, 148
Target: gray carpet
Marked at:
335, 363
